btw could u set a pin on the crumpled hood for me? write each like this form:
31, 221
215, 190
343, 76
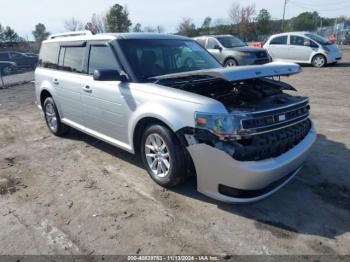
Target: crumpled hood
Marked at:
241, 72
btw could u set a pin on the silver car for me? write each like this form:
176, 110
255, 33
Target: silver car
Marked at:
231, 51
303, 48
234, 128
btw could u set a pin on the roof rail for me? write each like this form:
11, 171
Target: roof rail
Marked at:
68, 34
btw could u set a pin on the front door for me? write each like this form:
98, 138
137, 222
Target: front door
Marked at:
103, 105
213, 46
300, 49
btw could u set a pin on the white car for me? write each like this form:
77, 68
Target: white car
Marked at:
303, 48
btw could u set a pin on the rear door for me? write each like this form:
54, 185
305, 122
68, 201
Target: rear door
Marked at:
278, 48
301, 48
68, 81
103, 104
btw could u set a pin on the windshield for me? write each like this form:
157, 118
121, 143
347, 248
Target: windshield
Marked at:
230, 42
319, 39
150, 58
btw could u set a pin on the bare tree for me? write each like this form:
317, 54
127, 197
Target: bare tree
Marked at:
97, 24
160, 29
73, 24
246, 25
186, 27
235, 13
149, 29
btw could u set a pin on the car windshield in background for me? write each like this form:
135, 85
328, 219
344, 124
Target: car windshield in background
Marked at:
230, 42
319, 39
150, 58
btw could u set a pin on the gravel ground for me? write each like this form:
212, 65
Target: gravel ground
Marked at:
77, 195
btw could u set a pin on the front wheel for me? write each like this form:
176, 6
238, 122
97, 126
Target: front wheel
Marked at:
52, 118
319, 61
163, 156
230, 63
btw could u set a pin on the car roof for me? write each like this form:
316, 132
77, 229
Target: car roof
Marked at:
294, 33
114, 36
215, 36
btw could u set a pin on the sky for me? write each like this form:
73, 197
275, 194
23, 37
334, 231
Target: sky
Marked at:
23, 15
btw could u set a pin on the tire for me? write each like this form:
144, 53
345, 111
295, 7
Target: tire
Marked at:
230, 63
319, 61
52, 118
8, 70
163, 156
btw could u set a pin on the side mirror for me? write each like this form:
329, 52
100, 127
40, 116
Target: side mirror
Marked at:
109, 75
218, 48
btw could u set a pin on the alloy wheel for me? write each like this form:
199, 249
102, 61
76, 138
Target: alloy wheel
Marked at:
157, 155
51, 117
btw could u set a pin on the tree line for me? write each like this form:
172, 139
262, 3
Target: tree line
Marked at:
242, 21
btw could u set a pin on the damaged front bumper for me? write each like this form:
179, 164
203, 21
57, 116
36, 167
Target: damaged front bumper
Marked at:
221, 177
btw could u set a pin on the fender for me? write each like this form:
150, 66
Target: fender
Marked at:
172, 118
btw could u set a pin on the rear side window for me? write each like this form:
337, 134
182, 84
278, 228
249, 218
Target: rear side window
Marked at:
279, 40
48, 57
212, 43
102, 57
71, 59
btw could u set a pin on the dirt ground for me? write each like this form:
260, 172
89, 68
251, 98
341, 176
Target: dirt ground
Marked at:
77, 195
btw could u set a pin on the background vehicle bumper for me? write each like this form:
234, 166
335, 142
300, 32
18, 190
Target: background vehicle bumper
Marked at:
253, 61
214, 168
334, 57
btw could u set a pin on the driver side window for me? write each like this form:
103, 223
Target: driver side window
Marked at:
212, 43
102, 57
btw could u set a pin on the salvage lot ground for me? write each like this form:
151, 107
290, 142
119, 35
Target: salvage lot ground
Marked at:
77, 195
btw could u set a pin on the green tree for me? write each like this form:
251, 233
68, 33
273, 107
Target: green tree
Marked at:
9, 35
206, 25
186, 27
118, 19
263, 22
40, 33
306, 21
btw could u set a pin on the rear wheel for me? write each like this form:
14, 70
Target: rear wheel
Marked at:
163, 156
52, 118
319, 61
230, 63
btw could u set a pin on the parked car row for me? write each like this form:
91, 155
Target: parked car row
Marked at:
297, 47
18, 61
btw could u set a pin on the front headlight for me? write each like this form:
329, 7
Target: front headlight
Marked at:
222, 125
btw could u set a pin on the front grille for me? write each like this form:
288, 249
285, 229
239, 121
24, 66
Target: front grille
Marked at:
271, 144
261, 54
261, 122
261, 61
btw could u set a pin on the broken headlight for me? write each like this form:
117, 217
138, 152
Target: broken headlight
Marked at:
222, 125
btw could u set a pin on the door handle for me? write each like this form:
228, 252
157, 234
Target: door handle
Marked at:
55, 81
87, 89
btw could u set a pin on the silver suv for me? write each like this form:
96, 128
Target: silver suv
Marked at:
231, 51
234, 128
